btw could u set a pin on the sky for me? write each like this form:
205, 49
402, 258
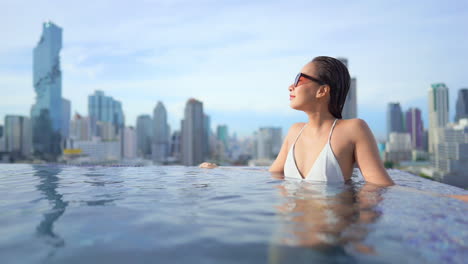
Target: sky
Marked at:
237, 57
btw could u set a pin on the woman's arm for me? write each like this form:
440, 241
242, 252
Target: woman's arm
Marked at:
278, 164
367, 155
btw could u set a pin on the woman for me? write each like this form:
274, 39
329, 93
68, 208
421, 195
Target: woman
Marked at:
327, 147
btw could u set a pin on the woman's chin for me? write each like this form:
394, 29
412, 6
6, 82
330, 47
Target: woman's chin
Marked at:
294, 106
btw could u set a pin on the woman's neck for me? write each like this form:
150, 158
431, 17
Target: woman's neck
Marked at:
317, 120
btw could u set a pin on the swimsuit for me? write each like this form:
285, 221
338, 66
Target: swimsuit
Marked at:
325, 169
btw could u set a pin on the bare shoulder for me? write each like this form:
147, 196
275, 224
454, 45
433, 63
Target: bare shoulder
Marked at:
293, 131
355, 123
356, 128
295, 128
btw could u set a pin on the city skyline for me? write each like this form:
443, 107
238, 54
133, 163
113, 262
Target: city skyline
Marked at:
230, 65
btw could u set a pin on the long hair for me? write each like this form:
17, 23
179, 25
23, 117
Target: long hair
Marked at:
334, 73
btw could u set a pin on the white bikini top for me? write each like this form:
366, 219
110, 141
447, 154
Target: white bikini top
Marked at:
325, 169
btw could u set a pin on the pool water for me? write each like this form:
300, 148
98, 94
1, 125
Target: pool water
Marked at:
175, 214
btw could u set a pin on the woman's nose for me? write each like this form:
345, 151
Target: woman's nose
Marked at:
291, 88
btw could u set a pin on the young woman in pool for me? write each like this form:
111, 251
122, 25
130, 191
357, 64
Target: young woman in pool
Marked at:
327, 147
333, 144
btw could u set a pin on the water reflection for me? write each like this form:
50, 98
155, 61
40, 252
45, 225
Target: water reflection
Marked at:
99, 180
325, 220
48, 185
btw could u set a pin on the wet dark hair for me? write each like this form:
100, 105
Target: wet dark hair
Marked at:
334, 73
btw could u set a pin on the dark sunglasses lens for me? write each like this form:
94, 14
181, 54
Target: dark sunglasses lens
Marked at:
296, 81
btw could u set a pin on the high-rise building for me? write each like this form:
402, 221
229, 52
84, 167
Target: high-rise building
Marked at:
350, 106
394, 119
268, 142
18, 138
144, 134
438, 113
161, 134
2, 146
398, 147
2, 141
222, 134
46, 113
425, 140
462, 105
66, 115
206, 136
414, 126
175, 149
80, 128
193, 133
106, 131
451, 161
130, 143
105, 109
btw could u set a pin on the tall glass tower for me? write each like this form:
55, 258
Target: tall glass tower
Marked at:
160, 148
438, 112
144, 134
192, 133
350, 106
394, 119
105, 109
462, 105
414, 126
46, 113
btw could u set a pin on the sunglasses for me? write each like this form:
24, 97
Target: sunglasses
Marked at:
299, 75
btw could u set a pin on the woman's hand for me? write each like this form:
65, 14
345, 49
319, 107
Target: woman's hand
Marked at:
208, 165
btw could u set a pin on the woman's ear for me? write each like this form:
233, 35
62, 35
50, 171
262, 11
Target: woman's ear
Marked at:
323, 90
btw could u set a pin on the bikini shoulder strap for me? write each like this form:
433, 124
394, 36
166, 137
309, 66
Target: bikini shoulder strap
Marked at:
300, 132
331, 130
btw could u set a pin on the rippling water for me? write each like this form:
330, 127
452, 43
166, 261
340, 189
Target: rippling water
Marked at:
65, 214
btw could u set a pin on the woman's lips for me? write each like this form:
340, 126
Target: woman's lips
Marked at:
291, 97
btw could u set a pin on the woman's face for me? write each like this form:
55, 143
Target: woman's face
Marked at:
304, 95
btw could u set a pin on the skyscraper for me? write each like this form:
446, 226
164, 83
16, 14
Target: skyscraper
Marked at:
46, 113
462, 105
394, 119
161, 132
350, 106
80, 128
222, 134
174, 150
66, 115
398, 147
438, 112
144, 135
451, 159
105, 109
414, 126
268, 142
18, 138
206, 136
192, 133
130, 143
